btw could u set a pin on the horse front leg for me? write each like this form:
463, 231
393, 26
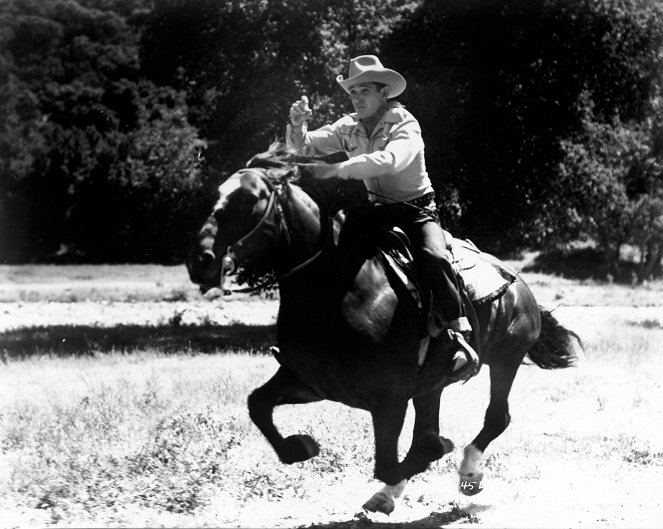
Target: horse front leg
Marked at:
283, 388
427, 445
387, 424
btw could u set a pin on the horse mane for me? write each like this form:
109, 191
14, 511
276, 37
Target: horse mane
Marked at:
334, 194
278, 156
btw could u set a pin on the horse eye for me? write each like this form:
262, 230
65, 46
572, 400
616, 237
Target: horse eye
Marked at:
220, 215
250, 200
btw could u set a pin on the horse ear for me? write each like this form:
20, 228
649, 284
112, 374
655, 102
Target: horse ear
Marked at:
277, 174
276, 156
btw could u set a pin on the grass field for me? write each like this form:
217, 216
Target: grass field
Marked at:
122, 403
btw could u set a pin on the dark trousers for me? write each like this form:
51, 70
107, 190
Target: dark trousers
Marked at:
429, 249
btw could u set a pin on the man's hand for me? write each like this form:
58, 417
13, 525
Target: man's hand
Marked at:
300, 112
321, 171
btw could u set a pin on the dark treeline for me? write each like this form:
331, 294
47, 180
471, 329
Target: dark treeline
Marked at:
542, 118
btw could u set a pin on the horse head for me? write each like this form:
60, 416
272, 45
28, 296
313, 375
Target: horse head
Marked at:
245, 224
258, 209
248, 221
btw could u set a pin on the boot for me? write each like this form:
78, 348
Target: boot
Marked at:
465, 361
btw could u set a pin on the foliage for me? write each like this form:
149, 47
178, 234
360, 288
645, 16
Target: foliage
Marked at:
501, 88
610, 185
540, 117
96, 162
242, 63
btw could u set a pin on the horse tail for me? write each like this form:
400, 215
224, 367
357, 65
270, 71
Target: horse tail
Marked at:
555, 347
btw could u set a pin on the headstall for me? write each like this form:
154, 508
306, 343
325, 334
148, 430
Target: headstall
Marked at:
269, 229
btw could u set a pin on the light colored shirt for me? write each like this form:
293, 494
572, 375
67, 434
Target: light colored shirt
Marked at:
390, 161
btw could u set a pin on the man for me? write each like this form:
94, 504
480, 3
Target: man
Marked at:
386, 151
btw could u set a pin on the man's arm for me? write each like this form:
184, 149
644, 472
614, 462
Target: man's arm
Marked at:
318, 142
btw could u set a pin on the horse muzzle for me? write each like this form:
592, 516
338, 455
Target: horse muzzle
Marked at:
203, 269
206, 260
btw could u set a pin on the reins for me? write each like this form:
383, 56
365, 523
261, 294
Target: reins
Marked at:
273, 280
273, 220
272, 217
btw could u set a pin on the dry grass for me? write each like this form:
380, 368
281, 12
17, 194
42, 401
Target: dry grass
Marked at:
147, 435
76, 283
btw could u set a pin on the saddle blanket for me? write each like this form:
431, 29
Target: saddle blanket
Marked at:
486, 278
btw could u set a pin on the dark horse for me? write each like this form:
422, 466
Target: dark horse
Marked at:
347, 333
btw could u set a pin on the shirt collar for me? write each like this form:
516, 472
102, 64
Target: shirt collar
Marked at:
389, 116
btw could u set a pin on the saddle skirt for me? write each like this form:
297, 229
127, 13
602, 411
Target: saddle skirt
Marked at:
484, 277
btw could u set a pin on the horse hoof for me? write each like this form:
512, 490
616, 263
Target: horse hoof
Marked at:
380, 502
435, 446
298, 448
471, 471
471, 485
447, 445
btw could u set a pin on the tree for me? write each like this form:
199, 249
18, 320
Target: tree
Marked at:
84, 135
118, 116
242, 63
502, 87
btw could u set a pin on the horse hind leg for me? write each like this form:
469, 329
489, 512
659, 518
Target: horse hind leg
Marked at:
283, 388
520, 315
388, 418
384, 500
496, 420
427, 444
505, 359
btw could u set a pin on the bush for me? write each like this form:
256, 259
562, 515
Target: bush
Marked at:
97, 164
503, 91
527, 108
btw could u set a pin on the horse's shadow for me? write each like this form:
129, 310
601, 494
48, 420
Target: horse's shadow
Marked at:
435, 520
83, 340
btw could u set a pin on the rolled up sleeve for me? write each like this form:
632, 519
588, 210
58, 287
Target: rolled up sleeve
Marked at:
325, 140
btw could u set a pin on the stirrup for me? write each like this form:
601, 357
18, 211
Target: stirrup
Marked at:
465, 361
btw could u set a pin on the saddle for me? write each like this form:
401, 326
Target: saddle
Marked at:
483, 278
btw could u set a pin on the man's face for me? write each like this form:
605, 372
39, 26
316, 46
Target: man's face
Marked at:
367, 99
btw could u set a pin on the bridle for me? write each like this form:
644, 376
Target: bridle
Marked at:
269, 230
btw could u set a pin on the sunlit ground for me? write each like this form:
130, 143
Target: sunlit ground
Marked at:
153, 433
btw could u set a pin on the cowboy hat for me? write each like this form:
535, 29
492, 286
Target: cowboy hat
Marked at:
369, 69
